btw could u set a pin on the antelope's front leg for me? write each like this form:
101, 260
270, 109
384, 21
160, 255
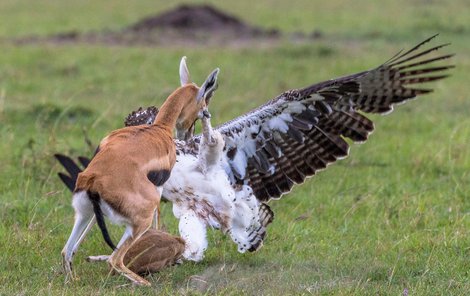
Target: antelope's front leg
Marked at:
156, 219
156, 214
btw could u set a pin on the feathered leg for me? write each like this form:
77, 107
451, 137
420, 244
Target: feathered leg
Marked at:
193, 232
212, 144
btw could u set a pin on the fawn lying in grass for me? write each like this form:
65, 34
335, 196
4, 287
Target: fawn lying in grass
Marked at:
153, 251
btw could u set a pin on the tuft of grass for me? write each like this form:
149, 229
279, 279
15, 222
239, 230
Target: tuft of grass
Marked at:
393, 217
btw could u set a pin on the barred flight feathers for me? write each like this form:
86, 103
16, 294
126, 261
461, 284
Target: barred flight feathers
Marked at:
300, 132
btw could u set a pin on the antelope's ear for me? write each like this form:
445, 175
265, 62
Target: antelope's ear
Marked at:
184, 72
208, 87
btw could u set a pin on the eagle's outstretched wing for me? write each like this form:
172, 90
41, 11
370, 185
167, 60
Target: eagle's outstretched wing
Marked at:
301, 131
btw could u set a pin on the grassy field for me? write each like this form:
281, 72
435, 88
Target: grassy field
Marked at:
392, 219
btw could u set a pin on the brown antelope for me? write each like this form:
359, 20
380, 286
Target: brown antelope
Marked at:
120, 180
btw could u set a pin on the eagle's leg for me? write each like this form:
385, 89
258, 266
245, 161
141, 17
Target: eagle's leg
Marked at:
193, 231
211, 147
247, 230
207, 131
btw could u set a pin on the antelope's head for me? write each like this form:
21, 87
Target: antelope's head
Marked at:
197, 108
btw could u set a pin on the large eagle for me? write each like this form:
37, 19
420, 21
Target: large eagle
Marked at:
262, 154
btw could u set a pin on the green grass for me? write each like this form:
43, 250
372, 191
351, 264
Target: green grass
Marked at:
395, 215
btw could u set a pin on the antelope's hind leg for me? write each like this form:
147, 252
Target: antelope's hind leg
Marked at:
116, 260
144, 205
84, 219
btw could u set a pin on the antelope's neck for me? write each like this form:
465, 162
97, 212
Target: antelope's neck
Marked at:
173, 106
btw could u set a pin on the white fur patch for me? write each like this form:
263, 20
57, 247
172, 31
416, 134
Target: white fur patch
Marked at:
112, 215
82, 204
160, 190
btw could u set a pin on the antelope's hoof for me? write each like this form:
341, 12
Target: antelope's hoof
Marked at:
67, 267
69, 277
142, 282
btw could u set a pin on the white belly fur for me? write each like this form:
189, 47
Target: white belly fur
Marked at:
112, 215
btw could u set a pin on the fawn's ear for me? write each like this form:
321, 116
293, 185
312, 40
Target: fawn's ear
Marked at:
184, 72
208, 87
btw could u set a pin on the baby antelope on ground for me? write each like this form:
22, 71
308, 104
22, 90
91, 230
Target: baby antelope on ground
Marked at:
154, 250
120, 180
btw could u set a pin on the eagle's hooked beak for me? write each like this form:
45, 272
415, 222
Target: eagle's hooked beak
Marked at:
204, 113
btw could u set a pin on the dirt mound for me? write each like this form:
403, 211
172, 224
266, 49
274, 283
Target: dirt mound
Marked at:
194, 17
184, 25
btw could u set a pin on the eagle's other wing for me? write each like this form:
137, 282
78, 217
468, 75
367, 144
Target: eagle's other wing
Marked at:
301, 131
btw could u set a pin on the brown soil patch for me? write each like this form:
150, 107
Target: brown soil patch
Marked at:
195, 18
184, 25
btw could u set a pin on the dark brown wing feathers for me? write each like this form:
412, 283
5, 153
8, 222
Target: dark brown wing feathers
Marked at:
316, 136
